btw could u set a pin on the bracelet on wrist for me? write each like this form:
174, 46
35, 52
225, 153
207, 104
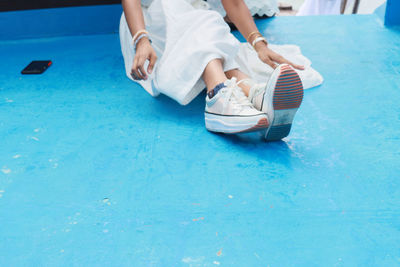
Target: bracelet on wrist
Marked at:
257, 40
138, 34
256, 33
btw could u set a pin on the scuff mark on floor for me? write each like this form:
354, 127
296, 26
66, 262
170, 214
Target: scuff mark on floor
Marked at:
106, 201
192, 260
6, 170
219, 253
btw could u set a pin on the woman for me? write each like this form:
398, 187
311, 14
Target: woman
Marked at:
181, 49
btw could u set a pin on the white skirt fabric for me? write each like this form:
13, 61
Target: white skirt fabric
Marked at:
186, 39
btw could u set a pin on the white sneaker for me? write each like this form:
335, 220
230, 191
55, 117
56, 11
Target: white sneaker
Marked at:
230, 111
279, 99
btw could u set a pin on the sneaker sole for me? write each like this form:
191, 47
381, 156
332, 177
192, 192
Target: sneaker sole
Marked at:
261, 125
235, 125
287, 98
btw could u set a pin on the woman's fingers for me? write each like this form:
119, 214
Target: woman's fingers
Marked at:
282, 60
299, 67
134, 72
141, 68
296, 66
142, 71
153, 60
144, 52
138, 69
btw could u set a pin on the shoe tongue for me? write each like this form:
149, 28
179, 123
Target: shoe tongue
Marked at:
231, 82
254, 91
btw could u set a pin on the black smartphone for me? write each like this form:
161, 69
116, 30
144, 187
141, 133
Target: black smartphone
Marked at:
37, 67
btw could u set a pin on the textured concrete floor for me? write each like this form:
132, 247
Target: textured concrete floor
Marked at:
95, 172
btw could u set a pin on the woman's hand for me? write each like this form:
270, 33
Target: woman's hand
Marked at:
240, 15
144, 51
271, 58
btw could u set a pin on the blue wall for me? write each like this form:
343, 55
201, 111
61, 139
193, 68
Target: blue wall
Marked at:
59, 22
98, 20
392, 13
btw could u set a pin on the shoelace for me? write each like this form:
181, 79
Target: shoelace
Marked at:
235, 95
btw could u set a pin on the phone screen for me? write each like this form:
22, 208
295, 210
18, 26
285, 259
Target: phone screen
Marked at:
37, 67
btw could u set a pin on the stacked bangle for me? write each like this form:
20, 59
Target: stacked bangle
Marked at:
138, 36
257, 38
253, 33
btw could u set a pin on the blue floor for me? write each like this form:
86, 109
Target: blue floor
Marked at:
95, 172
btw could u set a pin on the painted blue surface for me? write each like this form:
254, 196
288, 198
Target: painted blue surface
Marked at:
60, 22
95, 172
389, 13
381, 11
392, 13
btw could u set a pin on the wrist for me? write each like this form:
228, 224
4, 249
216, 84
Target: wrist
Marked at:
260, 46
143, 42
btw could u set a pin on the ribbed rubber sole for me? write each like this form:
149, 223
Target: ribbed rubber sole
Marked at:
288, 90
287, 98
276, 133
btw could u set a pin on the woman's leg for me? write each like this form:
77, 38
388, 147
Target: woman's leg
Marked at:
240, 76
214, 74
227, 111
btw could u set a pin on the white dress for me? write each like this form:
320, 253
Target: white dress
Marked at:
186, 39
320, 7
257, 7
